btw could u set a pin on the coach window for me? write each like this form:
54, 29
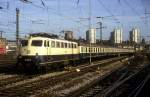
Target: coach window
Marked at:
69, 45
58, 44
62, 45
72, 45
53, 43
81, 49
75, 45
66, 45
36, 43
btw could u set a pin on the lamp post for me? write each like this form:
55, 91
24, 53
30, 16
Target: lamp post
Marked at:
1, 32
100, 29
90, 29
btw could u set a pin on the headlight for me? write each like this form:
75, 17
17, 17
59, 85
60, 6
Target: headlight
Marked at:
27, 60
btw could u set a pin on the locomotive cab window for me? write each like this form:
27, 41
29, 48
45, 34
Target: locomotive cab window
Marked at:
24, 42
36, 43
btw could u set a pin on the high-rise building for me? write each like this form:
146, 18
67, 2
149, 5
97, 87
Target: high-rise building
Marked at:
116, 36
69, 35
135, 35
91, 35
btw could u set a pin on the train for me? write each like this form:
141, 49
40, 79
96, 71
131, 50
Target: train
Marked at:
2, 46
41, 50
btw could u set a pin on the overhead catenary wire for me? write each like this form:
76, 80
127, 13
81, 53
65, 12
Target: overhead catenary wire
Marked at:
103, 5
132, 8
46, 7
54, 11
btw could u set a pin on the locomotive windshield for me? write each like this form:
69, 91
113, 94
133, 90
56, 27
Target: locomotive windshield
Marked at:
24, 42
36, 43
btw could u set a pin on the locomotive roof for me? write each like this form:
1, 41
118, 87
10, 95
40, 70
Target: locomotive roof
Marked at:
55, 39
48, 35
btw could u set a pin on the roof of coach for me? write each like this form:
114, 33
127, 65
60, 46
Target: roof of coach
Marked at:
102, 46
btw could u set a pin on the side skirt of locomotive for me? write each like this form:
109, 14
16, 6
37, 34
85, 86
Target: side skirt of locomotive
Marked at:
52, 61
57, 61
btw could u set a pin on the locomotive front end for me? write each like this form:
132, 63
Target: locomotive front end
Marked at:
30, 52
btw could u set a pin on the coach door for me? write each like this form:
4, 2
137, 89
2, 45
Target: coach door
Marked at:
48, 48
72, 52
46, 45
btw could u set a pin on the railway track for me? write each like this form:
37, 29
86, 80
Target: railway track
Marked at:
113, 83
12, 79
36, 85
8, 59
130, 86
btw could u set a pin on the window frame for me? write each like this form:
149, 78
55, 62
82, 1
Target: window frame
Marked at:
53, 44
58, 44
36, 43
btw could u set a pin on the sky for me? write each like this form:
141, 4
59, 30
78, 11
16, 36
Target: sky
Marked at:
53, 16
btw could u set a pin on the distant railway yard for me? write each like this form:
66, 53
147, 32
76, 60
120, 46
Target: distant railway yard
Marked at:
111, 77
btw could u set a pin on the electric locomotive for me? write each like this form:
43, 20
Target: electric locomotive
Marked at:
39, 50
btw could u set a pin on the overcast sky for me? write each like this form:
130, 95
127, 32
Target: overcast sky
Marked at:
56, 15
